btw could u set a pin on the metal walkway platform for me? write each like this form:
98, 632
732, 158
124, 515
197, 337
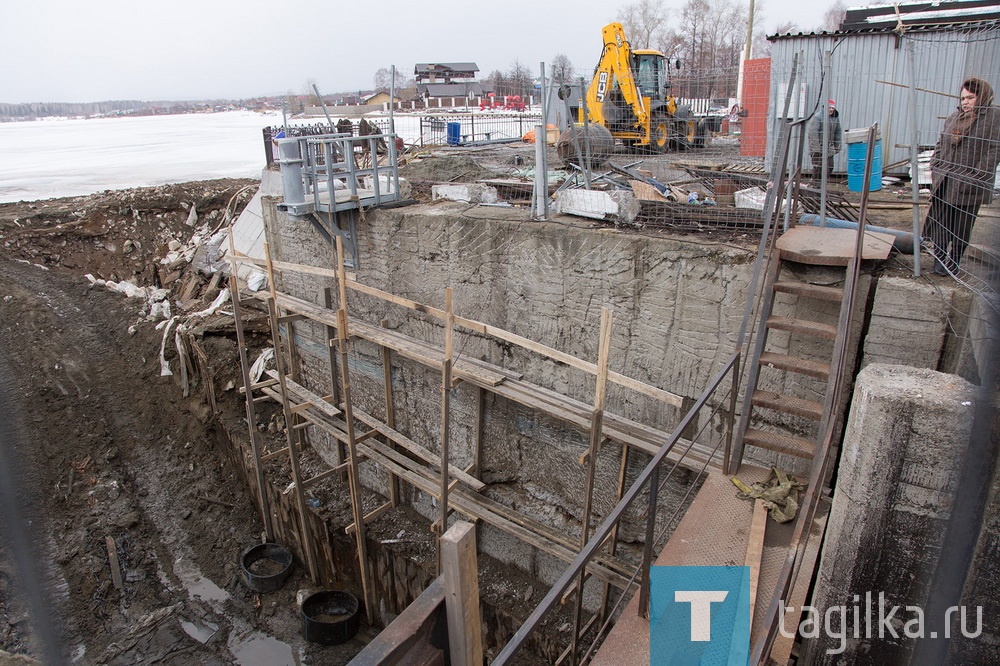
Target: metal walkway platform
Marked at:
715, 531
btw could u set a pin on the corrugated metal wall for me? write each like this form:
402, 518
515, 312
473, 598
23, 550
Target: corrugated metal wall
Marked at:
863, 69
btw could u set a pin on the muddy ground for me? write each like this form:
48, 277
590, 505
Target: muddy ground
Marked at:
111, 461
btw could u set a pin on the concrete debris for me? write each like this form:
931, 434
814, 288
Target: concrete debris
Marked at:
618, 206
474, 193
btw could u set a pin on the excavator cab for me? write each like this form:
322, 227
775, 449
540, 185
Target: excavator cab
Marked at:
650, 74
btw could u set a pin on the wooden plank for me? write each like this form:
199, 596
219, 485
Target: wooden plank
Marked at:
479, 507
369, 517
333, 471
258, 385
390, 408
755, 549
449, 326
116, 567
424, 353
414, 448
354, 483
293, 452
306, 396
460, 573
826, 246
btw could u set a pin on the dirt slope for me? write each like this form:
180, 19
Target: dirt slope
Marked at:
109, 452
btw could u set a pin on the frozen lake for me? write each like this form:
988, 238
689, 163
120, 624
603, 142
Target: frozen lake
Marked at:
69, 157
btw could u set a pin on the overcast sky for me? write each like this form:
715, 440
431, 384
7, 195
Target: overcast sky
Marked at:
91, 50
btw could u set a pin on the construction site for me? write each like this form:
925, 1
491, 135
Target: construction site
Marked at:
413, 404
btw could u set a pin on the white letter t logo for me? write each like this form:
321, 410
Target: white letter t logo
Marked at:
701, 610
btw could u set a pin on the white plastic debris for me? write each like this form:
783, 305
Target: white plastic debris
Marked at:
257, 281
258, 367
216, 304
164, 366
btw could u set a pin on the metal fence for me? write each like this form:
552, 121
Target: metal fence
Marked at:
931, 155
458, 129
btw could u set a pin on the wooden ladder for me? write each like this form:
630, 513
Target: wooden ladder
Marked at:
818, 246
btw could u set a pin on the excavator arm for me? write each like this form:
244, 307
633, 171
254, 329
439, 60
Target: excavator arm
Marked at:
615, 66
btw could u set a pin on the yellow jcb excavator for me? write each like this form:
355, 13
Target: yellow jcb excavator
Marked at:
630, 96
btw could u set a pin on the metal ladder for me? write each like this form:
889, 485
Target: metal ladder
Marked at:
804, 245
755, 399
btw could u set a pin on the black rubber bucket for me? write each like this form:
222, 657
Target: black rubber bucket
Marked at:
330, 617
265, 567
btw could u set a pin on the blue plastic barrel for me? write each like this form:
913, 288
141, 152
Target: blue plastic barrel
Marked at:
856, 155
454, 133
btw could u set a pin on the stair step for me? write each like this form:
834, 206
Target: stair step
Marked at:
794, 446
813, 328
787, 404
803, 366
835, 294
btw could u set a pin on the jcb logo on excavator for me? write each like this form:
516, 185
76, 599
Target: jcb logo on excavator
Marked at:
602, 86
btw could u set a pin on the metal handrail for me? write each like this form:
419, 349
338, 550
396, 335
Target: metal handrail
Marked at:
822, 459
328, 158
649, 475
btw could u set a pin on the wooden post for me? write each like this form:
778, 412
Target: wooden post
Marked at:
331, 336
258, 468
445, 405
476, 469
390, 414
293, 451
460, 574
354, 482
596, 436
613, 538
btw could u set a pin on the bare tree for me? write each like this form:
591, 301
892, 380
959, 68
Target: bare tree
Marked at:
383, 79
309, 92
643, 21
834, 16
562, 68
519, 79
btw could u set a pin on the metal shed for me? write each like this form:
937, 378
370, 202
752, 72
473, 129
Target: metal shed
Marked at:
903, 70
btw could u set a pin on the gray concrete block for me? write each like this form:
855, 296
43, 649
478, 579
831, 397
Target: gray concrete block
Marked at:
903, 448
909, 323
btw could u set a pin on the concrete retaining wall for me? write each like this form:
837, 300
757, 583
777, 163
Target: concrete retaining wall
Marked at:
678, 304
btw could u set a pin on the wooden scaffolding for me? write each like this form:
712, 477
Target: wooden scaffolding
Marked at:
361, 436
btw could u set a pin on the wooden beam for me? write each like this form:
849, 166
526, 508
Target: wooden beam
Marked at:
405, 442
354, 481
251, 413
258, 385
306, 536
461, 582
390, 409
596, 429
116, 567
755, 549
369, 517
445, 415
331, 337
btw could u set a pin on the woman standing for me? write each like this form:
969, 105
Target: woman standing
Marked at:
963, 171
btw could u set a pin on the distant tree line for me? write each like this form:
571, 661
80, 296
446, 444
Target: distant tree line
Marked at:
707, 37
28, 111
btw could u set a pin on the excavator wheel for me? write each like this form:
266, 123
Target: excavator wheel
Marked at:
659, 134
